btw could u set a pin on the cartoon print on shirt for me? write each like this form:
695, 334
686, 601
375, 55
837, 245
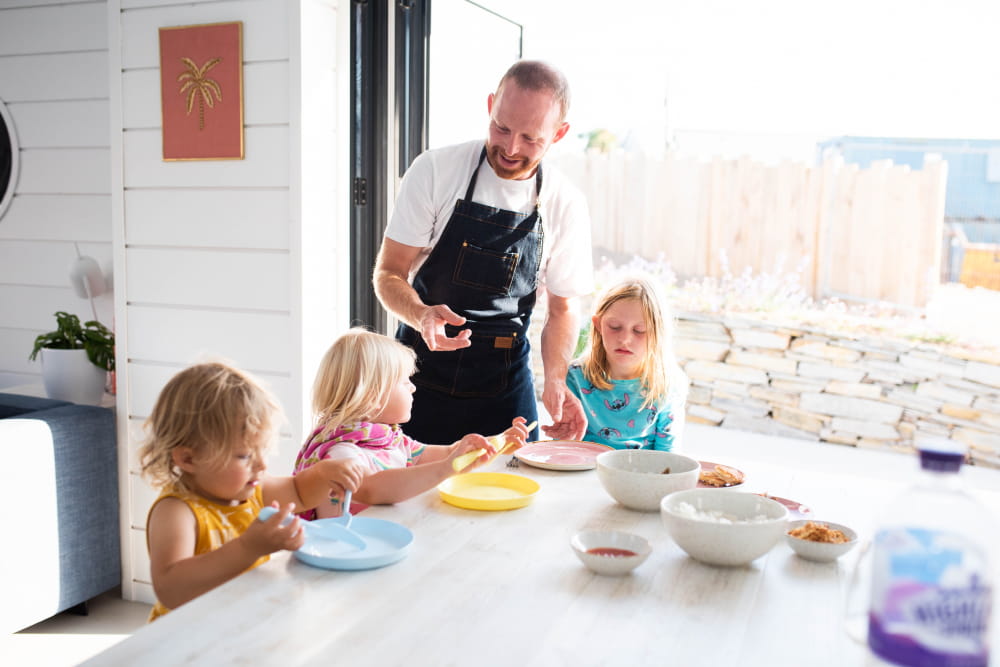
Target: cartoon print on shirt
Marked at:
617, 404
608, 432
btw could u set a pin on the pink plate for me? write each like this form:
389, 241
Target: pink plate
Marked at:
561, 454
796, 510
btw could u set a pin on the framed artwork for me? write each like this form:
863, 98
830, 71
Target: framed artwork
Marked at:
201, 91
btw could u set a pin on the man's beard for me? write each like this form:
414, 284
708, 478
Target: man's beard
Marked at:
521, 171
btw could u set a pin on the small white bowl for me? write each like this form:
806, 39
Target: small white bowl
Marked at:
584, 542
722, 527
635, 477
821, 552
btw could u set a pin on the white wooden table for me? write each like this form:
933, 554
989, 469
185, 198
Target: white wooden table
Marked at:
504, 588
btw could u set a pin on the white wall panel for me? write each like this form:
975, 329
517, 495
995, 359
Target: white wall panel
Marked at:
33, 306
65, 171
257, 342
67, 28
7, 4
149, 379
58, 217
209, 218
62, 76
265, 28
208, 278
266, 163
61, 124
265, 95
15, 346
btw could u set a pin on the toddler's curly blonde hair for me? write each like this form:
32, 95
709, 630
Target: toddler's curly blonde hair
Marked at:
212, 408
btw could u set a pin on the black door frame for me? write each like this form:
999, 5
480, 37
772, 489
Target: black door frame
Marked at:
374, 125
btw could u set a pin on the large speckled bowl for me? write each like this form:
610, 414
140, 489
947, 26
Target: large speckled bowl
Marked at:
636, 477
721, 527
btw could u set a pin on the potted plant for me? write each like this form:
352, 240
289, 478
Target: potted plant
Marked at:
76, 359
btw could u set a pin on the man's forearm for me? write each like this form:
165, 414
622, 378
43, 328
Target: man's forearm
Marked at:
559, 336
398, 297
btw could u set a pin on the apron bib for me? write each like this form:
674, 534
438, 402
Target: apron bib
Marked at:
485, 268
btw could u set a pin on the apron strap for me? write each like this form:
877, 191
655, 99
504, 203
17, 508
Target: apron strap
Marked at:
475, 175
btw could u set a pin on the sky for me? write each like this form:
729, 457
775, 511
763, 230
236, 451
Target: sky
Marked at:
754, 75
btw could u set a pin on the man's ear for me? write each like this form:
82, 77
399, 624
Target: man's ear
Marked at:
561, 132
183, 458
489, 103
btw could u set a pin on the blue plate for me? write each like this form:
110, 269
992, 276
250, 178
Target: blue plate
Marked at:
387, 541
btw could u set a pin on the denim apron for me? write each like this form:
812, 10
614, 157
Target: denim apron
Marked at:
485, 268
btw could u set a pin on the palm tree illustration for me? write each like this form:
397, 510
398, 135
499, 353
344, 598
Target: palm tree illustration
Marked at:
199, 87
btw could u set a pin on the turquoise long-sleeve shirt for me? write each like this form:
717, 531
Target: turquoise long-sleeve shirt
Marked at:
614, 416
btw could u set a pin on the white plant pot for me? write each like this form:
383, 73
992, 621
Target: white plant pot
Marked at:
68, 375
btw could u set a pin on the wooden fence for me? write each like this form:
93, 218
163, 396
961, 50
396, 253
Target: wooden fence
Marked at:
867, 234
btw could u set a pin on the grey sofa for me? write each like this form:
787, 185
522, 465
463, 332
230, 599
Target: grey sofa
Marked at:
58, 507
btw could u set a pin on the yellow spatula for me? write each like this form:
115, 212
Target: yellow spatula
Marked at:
462, 462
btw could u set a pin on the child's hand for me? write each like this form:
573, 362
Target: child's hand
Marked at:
471, 443
266, 537
343, 475
516, 436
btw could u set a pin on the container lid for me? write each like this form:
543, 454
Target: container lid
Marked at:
941, 455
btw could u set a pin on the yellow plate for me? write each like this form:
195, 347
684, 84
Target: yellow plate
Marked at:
488, 491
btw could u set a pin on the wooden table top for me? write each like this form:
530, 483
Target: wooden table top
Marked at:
504, 588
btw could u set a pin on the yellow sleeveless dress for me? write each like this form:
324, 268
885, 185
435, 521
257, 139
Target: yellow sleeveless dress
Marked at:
217, 524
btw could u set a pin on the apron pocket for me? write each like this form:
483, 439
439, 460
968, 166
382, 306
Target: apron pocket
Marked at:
486, 269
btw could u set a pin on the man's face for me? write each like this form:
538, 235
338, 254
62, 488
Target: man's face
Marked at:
523, 125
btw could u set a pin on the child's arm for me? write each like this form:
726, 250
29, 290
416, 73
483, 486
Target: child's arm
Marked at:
669, 427
179, 575
434, 466
329, 478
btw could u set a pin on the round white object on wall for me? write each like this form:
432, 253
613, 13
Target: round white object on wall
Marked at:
9, 158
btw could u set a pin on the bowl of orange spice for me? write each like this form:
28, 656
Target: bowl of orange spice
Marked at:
820, 541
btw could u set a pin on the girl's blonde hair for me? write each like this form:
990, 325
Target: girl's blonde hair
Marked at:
659, 367
356, 375
212, 408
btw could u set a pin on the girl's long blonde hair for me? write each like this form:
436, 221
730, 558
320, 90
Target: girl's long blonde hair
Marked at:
356, 375
659, 367
211, 408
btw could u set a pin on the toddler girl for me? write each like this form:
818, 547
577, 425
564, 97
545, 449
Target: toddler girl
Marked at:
361, 395
208, 434
629, 382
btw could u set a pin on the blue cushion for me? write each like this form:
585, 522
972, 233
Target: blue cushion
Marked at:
12, 405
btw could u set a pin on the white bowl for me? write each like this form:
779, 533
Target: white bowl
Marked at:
635, 477
821, 552
723, 527
587, 540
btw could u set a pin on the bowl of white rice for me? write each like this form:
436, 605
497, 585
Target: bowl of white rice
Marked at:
727, 528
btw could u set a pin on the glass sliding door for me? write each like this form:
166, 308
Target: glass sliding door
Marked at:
409, 93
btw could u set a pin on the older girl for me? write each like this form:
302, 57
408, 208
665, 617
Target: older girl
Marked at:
629, 382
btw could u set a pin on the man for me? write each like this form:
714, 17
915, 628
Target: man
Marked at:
480, 230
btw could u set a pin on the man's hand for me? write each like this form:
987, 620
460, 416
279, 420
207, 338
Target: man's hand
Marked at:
432, 323
569, 422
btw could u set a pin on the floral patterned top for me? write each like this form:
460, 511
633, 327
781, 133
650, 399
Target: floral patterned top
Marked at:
379, 446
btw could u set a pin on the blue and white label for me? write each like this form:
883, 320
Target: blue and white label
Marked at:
931, 599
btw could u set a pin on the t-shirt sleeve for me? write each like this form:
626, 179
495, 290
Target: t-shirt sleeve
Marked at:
569, 270
414, 215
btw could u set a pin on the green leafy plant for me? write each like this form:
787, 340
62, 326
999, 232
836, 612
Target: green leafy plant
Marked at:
92, 336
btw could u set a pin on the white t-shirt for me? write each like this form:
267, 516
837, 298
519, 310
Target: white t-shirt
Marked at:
438, 178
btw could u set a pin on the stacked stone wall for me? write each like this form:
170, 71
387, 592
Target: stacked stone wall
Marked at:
838, 387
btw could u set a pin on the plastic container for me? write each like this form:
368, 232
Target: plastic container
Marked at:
931, 571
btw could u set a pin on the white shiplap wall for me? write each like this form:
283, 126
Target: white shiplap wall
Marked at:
54, 81
228, 259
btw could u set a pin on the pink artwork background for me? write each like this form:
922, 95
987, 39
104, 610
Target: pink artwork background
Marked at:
209, 131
